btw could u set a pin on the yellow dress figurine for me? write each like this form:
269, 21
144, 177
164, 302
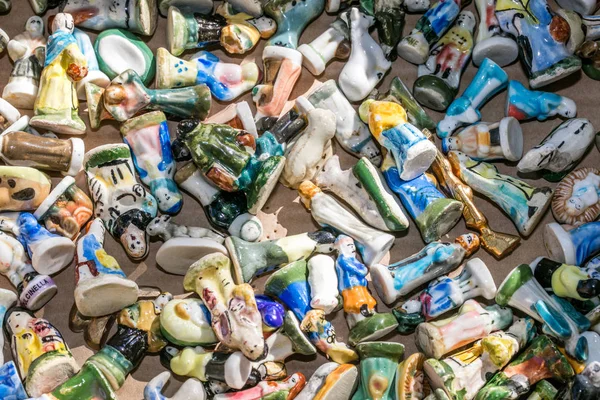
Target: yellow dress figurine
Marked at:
56, 107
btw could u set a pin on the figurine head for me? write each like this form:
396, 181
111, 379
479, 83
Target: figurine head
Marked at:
450, 144
466, 19
345, 246
22, 188
16, 319
325, 241
161, 300
64, 22
35, 26
575, 206
470, 242
294, 384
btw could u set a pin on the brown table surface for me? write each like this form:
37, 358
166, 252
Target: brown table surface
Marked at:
293, 216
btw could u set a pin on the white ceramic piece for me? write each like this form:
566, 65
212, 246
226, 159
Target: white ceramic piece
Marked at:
491, 42
323, 282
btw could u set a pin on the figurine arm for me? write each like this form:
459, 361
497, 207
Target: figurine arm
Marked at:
76, 62
17, 50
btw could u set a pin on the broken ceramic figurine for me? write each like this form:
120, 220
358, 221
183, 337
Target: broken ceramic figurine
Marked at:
439, 76
568, 281
378, 365
22, 188
576, 198
27, 50
524, 104
331, 381
94, 74
323, 282
236, 115
410, 378
333, 43
187, 322
272, 313
572, 246
191, 388
286, 388
491, 42
119, 200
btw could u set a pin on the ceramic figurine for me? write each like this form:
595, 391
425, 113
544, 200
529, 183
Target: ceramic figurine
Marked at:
524, 204
389, 21
576, 198
491, 42
236, 115
367, 63
235, 317
8, 114
543, 390
4, 39
287, 388
66, 210
202, 6
566, 280
584, 386
94, 74
378, 363
323, 282
331, 381
7, 300
439, 76
165, 229
487, 142
56, 106
410, 380
95, 102
226, 81
351, 133
472, 322
333, 43
28, 52
125, 207
11, 386
572, 246
291, 19
521, 291
187, 322
561, 150
588, 52
489, 80
191, 389
524, 104
272, 312
22, 188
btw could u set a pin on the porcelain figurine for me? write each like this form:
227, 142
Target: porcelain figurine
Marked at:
236, 115
524, 104
543, 390
378, 363
576, 198
94, 74
521, 291
97, 112
363, 189
439, 76
291, 19
28, 52
125, 207
489, 80
287, 388
331, 381
333, 43
56, 106
4, 39
583, 386
367, 63
389, 21
487, 142
191, 389
7, 300
323, 282
351, 133
272, 312
561, 150
11, 386
565, 280
410, 380
202, 6
225, 80
572, 246
491, 42
22, 188
523, 203
187, 322
165, 229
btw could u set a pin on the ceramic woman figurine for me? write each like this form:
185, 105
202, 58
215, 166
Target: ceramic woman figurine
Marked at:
28, 52
367, 63
561, 150
191, 389
94, 74
187, 322
225, 80
378, 363
56, 107
333, 43
437, 258
331, 381
284, 389
119, 200
487, 142
576, 198
22, 188
524, 204
566, 280
323, 282
572, 246
491, 42
524, 104
439, 76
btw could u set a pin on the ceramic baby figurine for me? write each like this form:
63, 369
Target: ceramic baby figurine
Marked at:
561, 150
333, 43
572, 246
524, 104
378, 363
524, 204
187, 322
22, 188
28, 52
576, 198
226, 81
439, 76
56, 106
287, 388
125, 207
191, 389
399, 279
323, 282
331, 381
565, 280
94, 74
486, 142
367, 63
491, 42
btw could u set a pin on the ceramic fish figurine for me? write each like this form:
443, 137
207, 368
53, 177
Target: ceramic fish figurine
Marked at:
566, 280
561, 150
187, 322
94, 74
524, 104
27, 50
572, 246
22, 188
323, 282
491, 42
331, 381
333, 43
378, 364
576, 198
524, 204
191, 389
202, 7
439, 76
284, 389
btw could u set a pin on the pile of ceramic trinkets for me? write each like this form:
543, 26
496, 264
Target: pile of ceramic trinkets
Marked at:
231, 342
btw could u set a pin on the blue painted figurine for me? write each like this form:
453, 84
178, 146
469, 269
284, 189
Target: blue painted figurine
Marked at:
524, 104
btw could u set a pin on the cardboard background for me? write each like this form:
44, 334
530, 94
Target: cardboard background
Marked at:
293, 215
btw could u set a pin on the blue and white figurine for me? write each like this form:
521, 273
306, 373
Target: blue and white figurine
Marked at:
94, 74
524, 104
11, 387
192, 389
573, 246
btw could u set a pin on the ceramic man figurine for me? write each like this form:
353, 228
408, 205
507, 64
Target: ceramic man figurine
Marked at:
56, 106
333, 43
576, 199
524, 104
491, 42
191, 389
28, 52
22, 188
378, 365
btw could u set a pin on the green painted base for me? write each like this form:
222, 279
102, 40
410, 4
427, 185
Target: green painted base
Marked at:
372, 328
438, 218
556, 72
591, 71
407, 322
260, 190
88, 384
433, 92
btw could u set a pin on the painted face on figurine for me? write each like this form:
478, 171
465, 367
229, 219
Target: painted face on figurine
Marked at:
161, 300
242, 308
575, 206
346, 246
466, 20
35, 26
16, 192
63, 21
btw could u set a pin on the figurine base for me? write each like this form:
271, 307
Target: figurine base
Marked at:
59, 123
414, 48
511, 139
177, 254
556, 72
439, 218
49, 371
418, 159
38, 291
177, 35
559, 245
384, 282
433, 92
104, 295
98, 78
372, 328
499, 49
52, 255
265, 182
21, 93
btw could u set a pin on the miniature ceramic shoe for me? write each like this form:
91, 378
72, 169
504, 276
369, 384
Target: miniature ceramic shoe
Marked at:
378, 363
435, 259
351, 133
282, 389
135, 206
187, 322
271, 312
333, 43
572, 246
523, 203
561, 150
323, 282
576, 198
439, 76
489, 80
524, 104
521, 291
486, 142
94, 74
566, 280
191, 389
331, 381
56, 105
22, 188
491, 42
253, 259
410, 149
367, 64
27, 50
226, 81
202, 6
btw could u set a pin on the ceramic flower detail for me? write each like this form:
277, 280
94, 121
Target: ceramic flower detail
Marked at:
329, 381
378, 364
524, 104
577, 197
491, 42
572, 246
22, 188
191, 388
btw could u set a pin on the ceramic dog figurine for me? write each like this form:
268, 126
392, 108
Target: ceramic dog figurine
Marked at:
572, 246
378, 365
323, 282
491, 42
22, 188
524, 104
165, 229
94, 74
333, 43
191, 389
576, 198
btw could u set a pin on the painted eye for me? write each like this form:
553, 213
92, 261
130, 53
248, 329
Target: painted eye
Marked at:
12, 183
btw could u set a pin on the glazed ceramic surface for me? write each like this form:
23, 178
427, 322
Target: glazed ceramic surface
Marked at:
94, 74
378, 363
572, 245
286, 388
323, 282
524, 104
331, 381
191, 388
333, 43
187, 322
491, 42
566, 280
292, 18
576, 197
22, 188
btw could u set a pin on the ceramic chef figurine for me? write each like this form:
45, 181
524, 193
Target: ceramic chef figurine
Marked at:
363, 189
94, 74
191, 388
56, 105
323, 282
489, 80
576, 198
572, 246
226, 81
333, 43
487, 142
524, 204
399, 279
367, 63
566, 280
22, 188
28, 52
287, 388
561, 150
125, 207
491, 42
186, 322
439, 76
378, 364
331, 380
524, 104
